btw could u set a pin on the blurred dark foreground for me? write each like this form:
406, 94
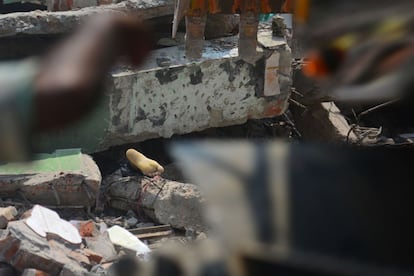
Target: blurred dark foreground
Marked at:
278, 209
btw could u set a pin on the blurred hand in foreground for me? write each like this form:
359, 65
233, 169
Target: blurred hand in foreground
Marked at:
72, 76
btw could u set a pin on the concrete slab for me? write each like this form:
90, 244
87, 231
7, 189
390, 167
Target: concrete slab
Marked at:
44, 22
172, 95
64, 178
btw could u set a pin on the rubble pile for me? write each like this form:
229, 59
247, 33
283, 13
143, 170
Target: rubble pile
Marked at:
165, 201
39, 241
95, 222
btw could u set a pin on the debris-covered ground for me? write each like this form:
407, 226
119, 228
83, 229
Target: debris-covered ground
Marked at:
156, 210
71, 213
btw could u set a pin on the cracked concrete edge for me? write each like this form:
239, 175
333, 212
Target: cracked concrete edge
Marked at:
45, 22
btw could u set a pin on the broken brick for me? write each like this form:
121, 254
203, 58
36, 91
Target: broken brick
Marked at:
87, 228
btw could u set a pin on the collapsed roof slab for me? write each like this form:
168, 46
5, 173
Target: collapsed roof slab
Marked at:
44, 22
172, 95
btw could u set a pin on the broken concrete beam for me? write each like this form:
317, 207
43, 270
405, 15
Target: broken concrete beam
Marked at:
64, 178
218, 90
23, 248
43, 22
7, 214
63, 5
167, 202
316, 121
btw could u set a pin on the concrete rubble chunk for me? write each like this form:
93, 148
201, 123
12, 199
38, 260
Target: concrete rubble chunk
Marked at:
217, 90
69, 270
22, 248
7, 214
102, 245
131, 222
64, 178
167, 202
44, 22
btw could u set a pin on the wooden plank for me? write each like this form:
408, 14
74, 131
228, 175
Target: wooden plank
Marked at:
154, 235
152, 229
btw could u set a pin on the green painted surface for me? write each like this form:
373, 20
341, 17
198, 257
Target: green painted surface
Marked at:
60, 160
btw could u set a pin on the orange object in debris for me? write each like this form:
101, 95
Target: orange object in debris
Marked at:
301, 10
213, 6
316, 66
198, 8
201, 7
265, 7
324, 62
287, 7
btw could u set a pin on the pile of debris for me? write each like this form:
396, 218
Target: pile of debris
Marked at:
148, 211
39, 240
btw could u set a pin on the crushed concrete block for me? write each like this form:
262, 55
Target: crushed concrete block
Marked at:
69, 270
46, 22
102, 245
22, 248
177, 204
131, 222
7, 214
167, 202
187, 96
64, 178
